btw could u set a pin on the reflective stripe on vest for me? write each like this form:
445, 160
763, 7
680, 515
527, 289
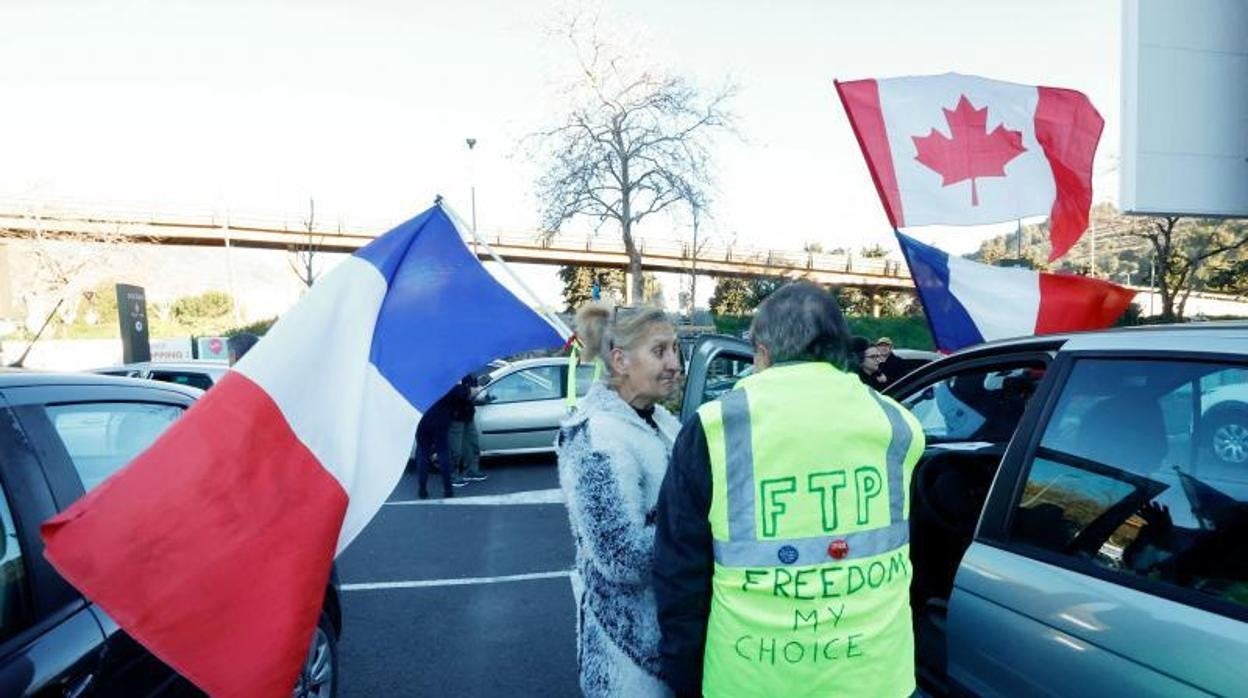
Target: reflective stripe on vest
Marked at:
574, 361
810, 593
740, 451
744, 550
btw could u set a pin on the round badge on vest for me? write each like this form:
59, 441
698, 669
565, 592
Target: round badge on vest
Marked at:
787, 554
838, 549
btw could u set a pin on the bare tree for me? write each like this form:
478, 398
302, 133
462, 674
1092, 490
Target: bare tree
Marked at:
1181, 248
634, 142
63, 267
303, 255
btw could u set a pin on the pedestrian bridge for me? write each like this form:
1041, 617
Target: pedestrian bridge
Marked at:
22, 218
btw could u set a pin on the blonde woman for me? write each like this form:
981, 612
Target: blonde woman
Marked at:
591, 323
613, 454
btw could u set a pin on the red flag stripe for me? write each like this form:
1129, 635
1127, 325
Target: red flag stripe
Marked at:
1069, 303
1068, 129
186, 584
861, 99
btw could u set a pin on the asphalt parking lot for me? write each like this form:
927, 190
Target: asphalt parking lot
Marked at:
463, 597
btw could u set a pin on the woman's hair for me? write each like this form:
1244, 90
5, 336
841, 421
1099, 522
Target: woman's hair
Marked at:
599, 333
591, 328
628, 330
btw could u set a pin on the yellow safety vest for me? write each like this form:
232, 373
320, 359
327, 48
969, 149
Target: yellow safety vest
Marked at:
574, 360
810, 519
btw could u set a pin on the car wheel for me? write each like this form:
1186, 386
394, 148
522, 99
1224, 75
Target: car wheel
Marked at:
1228, 437
319, 676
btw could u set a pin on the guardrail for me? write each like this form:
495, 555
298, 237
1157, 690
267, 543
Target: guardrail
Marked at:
293, 224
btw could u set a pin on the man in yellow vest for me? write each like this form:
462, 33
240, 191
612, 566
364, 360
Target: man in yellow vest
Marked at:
781, 561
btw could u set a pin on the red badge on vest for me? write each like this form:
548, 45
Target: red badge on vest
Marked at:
838, 549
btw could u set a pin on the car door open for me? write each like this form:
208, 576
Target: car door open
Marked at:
716, 364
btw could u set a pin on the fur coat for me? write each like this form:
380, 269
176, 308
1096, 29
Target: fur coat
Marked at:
611, 464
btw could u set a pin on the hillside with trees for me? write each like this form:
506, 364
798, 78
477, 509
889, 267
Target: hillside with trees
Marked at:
1176, 255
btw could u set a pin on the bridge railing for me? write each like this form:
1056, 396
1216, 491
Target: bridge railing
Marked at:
782, 261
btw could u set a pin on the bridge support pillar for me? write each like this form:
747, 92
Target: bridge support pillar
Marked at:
628, 289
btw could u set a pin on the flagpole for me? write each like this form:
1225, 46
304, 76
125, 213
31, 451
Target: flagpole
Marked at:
551, 317
927, 317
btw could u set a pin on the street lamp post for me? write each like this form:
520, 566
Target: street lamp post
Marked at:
1152, 282
693, 265
472, 180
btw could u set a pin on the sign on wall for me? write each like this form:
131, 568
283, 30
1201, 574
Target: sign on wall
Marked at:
213, 348
132, 314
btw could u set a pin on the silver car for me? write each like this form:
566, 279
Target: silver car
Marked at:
1079, 519
522, 403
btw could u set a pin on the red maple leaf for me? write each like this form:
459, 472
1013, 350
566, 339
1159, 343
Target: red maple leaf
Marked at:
972, 152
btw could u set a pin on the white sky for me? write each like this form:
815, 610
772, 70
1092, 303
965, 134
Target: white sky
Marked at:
365, 105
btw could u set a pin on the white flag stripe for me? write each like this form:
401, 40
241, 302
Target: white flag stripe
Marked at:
914, 106
1002, 301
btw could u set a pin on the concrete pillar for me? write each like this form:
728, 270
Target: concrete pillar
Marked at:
7, 309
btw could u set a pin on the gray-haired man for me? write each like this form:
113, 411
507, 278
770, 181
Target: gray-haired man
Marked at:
777, 494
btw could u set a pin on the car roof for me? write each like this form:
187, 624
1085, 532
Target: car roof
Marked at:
1222, 338
207, 366
530, 363
167, 365
1117, 337
21, 378
914, 354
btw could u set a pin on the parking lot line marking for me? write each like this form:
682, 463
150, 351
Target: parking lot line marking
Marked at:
551, 496
465, 581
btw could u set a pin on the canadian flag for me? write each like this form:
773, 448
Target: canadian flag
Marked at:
963, 150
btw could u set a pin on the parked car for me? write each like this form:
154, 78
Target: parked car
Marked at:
721, 376
522, 403
197, 374
60, 436
1225, 433
1075, 527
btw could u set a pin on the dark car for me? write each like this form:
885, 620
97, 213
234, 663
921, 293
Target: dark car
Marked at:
61, 435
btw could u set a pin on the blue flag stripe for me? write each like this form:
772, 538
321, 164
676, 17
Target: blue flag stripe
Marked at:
950, 322
444, 315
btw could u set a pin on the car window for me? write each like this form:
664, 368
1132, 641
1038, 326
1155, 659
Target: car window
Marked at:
584, 379
722, 374
1142, 470
14, 588
196, 380
979, 404
537, 383
101, 437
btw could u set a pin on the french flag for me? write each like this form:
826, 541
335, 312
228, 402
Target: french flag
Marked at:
213, 547
964, 150
968, 303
